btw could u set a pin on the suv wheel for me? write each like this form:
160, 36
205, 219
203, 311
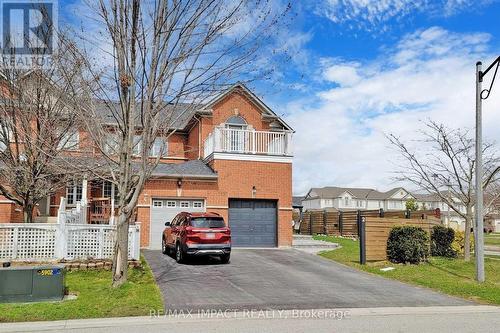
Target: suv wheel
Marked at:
179, 255
225, 258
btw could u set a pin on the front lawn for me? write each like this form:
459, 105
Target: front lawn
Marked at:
96, 298
492, 239
450, 276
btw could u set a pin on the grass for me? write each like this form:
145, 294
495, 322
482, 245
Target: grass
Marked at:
96, 298
492, 239
451, 276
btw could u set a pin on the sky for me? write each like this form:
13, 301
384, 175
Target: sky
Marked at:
360, 70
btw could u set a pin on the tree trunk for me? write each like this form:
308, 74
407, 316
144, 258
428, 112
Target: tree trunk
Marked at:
468, 224
28, 212
120, 258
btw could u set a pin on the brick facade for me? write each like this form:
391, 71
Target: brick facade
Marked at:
237, 179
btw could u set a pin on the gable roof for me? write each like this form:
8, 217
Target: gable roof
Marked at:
267, 113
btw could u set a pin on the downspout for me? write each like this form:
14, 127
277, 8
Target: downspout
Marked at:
199, 136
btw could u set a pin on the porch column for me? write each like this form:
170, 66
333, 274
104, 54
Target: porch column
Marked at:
84, 202
84, 191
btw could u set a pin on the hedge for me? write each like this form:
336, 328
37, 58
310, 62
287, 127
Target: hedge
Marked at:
407, 244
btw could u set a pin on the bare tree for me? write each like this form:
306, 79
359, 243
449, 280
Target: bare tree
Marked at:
37, 125
166, 54
445, 162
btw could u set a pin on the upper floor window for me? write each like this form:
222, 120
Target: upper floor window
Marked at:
5, 137
137, 148
70, 140
346, 201
236, 122
159, 148
111, 143
73, 193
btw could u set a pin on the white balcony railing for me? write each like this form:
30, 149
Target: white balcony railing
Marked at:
225, 140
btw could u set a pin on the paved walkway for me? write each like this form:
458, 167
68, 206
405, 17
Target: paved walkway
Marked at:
306, 243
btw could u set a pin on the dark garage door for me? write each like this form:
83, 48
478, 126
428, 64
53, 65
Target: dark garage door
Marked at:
253, 223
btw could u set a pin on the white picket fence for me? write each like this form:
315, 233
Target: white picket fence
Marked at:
70, 238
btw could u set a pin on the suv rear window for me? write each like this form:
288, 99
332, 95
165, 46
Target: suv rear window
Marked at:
207, 222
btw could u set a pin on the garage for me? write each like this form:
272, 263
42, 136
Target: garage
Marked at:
253, 223
164, 210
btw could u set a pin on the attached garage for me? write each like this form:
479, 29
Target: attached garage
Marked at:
253, 223
164, 210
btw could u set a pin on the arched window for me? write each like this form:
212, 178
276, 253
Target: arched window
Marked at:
236, 122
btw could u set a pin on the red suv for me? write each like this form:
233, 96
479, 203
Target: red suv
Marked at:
197, 234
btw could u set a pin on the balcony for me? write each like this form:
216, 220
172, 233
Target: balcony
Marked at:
248, 142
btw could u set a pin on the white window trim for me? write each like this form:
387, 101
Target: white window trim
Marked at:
196, 203
156, 202
170, 206
182, 203
74, 194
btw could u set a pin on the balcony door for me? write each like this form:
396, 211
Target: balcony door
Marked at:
235, 136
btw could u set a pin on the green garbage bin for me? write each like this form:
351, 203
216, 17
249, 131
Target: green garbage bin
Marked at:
31, 283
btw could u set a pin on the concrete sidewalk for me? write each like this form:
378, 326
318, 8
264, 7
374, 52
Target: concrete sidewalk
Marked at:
306, 243
406, 319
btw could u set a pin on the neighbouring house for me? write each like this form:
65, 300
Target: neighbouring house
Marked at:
232, 156
348, 198
448, 215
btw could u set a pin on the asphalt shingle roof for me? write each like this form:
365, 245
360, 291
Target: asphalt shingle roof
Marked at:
177, 116
330, 192
189, 169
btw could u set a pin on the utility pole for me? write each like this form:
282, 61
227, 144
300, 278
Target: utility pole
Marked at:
478, 230
478, 207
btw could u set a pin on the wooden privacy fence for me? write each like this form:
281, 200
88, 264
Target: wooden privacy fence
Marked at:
374, 232
332, 222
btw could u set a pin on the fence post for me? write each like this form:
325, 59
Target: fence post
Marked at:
324, 221
407, 214
136, 253
358, 221
341, 227
16, 243
362, 240
61, 241
101, 242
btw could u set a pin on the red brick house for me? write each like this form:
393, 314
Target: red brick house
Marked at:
231, 156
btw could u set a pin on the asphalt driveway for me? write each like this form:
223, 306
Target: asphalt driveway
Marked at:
280, 279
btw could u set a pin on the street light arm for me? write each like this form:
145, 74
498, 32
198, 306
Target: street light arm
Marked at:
482, 74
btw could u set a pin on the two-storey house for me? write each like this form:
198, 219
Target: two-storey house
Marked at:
344, 198
232, 156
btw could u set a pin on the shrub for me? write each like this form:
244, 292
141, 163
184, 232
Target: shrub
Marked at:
407, 244
458, 244
441, 242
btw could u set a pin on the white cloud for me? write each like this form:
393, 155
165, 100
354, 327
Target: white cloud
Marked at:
429, 75
343, 74
368, 14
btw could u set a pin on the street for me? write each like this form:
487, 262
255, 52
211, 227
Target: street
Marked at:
410, 319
